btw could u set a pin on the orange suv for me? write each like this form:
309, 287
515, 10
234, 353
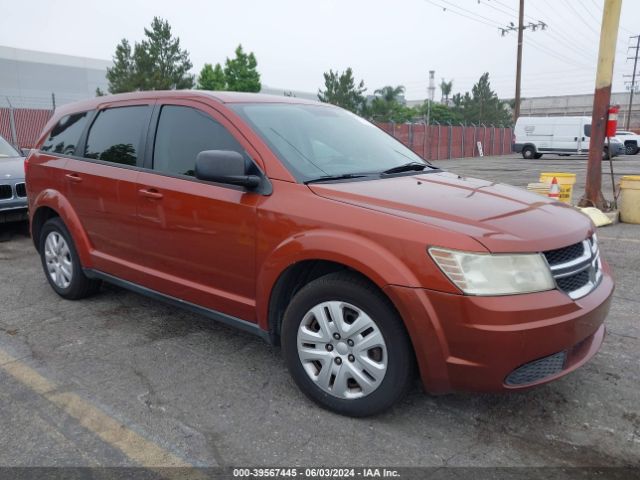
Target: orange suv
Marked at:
310, 227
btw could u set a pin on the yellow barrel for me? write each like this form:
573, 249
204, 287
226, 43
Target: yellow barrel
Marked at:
630, 199
566, 181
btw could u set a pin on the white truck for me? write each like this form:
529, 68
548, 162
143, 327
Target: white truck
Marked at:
535, 136
631, 141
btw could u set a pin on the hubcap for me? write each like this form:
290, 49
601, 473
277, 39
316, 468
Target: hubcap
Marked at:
58, 259
342, 350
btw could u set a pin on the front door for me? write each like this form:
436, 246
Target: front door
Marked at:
197, 238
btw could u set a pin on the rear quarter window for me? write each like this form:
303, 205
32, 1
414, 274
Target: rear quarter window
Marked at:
116, 135
64, 136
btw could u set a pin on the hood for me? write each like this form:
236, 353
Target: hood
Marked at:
501, 217
11, 168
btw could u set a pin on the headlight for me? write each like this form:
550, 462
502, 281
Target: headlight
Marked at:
500, 274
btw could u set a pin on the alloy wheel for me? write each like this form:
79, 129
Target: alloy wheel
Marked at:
58, 259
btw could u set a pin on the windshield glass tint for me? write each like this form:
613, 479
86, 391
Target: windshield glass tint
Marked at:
7, 150
316, 141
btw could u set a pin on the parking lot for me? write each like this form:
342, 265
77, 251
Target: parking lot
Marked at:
119, 379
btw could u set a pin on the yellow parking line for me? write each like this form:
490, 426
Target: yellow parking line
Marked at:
137, 448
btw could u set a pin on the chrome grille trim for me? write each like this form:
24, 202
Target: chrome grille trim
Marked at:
589, 261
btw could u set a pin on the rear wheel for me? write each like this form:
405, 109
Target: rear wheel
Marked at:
605, 153
345, 346
537, 156
631, 148
61, 263
528, 152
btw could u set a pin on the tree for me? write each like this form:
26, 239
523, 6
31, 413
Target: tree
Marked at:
483, 105
440, 113
156, 63
387, 105
241, 74
211, 78
341, 90
121, 76
445, 88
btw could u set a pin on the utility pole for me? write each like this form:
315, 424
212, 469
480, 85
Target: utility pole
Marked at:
520, 29
606, 55
633, 80
516, 109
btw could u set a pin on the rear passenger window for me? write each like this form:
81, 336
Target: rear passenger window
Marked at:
116, 135
65, 134
587, 130
182, 133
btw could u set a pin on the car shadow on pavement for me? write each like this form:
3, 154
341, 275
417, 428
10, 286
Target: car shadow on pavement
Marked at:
13, 229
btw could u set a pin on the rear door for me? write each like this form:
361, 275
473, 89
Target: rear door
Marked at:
197, 239
101, 185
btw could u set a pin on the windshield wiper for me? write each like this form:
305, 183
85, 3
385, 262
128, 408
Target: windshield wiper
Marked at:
407, 167
328, 178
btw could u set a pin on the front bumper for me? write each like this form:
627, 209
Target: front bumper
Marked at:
466, 343
13, 200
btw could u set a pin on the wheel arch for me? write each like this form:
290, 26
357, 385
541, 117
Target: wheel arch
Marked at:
302, 259
51, 203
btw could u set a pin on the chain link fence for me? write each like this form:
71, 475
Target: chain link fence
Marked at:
22, 119
445, 141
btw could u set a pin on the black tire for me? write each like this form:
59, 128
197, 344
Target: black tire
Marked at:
400, 361
80, 286
631, 148
528, 152
605, 153
537, 156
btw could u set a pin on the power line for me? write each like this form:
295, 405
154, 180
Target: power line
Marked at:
557, 55
469, 12
444, 8
579, 15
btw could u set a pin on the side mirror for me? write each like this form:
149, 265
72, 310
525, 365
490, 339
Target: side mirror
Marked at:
224, 166
25, 152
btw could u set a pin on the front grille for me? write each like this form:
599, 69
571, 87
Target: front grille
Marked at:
573, 282
537, 370
21, 190
5, 192
566, 254
576, 268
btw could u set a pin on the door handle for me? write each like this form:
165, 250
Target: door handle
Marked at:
74, 177
575, 139
150, 193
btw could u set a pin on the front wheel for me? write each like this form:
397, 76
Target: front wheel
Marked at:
630, 149
528, 153
346, 347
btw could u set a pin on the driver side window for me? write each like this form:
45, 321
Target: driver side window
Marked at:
182, 133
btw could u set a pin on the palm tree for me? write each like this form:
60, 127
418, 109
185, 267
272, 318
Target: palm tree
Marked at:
390, 94
446, 88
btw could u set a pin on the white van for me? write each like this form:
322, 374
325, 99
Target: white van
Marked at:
534, 136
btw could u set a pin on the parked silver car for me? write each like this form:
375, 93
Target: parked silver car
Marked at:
13, 193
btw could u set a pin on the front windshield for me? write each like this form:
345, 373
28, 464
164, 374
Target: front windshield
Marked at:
7, 150
316, 141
